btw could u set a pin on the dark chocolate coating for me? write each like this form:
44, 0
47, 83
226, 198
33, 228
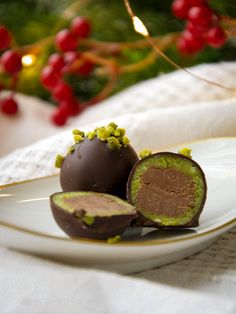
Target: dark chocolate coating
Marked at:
93, 166
144, 221
102, 228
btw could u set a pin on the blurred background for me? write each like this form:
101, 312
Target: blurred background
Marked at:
32, 21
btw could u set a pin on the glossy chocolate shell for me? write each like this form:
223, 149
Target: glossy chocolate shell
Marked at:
93, 166
91, 215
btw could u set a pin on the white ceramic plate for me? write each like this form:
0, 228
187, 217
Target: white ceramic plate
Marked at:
26, 222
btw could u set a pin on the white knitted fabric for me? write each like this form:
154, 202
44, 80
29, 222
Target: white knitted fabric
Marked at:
166, 92
157, 113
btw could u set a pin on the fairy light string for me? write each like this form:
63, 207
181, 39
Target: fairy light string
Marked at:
141, 29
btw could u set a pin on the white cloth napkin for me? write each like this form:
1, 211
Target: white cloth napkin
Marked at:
30, 285
157, 113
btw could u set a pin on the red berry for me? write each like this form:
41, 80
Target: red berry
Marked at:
70, 107
71, 56
80, 26
9, 106
201, 15
11, 61
49, 77
194, 43
85, 68
66, 41
56, 61
180, 8
182, 47
195, 29
188, 44
62, 91
58, 117
194, 3
5, 38
216, 37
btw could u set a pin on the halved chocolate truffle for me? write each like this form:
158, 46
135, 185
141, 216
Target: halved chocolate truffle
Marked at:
168, 190
91, 215
99, 162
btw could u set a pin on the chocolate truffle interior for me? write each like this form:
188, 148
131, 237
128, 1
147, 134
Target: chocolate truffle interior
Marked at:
93, 204
167, 189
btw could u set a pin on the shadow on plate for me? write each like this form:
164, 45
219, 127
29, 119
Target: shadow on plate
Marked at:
143, 234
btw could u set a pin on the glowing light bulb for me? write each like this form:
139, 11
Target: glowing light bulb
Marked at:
28, 60
139, 26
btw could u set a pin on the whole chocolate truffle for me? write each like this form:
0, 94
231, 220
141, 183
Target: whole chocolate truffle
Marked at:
100, 162
167, 190
91, 215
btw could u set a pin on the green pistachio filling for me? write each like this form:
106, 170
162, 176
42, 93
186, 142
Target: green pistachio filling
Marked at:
182, 165
114, 239
69, 202
185, 152
145, 153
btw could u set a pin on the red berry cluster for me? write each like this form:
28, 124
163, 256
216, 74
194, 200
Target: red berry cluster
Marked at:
202, 27
67, 61
10, 63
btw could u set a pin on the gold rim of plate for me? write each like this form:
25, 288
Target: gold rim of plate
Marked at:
122, 243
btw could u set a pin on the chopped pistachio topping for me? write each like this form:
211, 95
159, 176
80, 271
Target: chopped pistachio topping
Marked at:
145, 153
113, 125
113, 143
119, 132
71, 149
91, 135
114, 136
78, 132
103, 133
110, 130
78, 138
185, 152
89, 220
113, 240
59, 161
125, 140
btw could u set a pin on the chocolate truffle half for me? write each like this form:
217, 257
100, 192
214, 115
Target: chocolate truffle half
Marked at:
167, 190
91, 215
100, 161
